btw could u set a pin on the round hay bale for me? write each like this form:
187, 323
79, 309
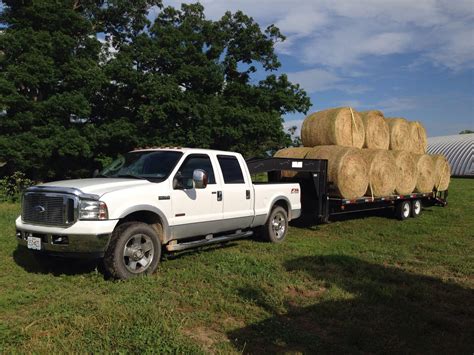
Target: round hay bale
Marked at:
400, 137
407, 173
338, 126
418, 137
377, 134
426, 178
442, 172
292, 152
382, 172
347, 170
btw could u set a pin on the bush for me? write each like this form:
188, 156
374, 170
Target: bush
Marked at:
12, 186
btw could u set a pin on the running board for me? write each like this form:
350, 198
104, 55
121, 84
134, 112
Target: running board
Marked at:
207, 241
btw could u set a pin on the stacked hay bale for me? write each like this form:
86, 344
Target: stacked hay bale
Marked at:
369, 154
442, 172
347, 169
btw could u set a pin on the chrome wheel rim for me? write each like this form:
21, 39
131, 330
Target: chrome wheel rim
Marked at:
279, 225
138, 253
406, 209
417, 207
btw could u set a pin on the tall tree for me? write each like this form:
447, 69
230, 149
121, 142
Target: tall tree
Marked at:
191, 81
182, 80
51, 79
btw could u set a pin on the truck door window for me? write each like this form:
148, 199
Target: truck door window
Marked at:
191, 163
230, 169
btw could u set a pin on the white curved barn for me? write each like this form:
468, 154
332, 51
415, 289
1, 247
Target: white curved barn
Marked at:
458, 149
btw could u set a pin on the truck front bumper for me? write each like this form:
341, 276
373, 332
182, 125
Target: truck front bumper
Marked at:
81, 239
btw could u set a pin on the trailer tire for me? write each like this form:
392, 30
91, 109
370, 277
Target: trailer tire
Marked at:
416, 208
275, 228
403, 210
131, 247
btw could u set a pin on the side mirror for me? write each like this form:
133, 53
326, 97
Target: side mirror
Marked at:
200, 179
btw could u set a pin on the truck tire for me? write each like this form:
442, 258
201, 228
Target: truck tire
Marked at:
403, 210
134, 250
416, 208
275, 228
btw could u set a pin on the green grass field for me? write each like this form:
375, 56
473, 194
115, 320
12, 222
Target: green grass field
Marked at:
367, 285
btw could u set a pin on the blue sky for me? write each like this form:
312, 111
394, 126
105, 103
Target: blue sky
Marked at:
406, 58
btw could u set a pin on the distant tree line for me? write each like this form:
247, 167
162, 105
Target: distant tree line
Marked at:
83, 80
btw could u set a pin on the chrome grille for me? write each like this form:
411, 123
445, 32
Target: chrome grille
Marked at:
48, 209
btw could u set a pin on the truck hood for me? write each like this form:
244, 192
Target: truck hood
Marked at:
98, 186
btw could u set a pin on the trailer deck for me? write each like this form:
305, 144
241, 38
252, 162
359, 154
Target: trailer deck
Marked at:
315, 199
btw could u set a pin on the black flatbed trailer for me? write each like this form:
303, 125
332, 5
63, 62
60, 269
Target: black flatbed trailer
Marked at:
312, 174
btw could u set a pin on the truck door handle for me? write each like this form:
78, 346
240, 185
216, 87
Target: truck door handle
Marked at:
247, 194
219, 195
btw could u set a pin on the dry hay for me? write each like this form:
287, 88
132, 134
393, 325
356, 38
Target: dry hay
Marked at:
400, 137
338, 126
442, 172
382, 172
347, 170
419, 142
377, 134
426, 178
292, 152
407, 173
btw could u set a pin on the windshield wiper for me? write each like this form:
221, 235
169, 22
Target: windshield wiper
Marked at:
130, 176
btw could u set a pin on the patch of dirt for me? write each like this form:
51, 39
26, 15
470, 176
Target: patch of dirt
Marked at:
297, 291
206, 337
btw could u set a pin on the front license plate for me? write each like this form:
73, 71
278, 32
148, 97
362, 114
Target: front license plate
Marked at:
34, 243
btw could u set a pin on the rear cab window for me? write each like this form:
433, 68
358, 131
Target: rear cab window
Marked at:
231, 170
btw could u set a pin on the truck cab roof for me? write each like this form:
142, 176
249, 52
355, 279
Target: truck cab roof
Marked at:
186, 150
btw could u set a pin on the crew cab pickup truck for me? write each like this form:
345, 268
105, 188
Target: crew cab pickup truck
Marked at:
173, 198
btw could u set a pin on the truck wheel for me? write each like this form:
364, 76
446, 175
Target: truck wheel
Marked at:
277, 225
416, 208
134, 250
403, 210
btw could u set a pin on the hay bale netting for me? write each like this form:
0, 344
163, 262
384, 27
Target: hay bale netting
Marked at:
442, 172
425, 166
292, 152
347, 170
377, 134
382, 172
400, 137
407, 172
418, 137
337, 126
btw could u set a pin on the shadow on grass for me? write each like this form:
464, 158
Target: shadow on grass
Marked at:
45, 264
384, 310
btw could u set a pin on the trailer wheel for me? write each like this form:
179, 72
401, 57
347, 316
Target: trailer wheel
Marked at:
134, 250
276, 227
415, 208
403, 210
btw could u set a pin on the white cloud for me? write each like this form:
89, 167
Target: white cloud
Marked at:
349, 46
337, 33
390, 106
315, 80
396, 104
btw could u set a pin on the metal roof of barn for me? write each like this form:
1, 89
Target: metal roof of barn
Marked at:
458, 149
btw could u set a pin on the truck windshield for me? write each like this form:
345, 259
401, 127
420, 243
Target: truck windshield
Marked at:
150, 165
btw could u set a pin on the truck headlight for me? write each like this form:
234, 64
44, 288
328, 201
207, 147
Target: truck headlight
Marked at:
89, 209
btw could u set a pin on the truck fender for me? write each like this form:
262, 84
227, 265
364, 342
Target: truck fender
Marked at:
279, 198
150, 208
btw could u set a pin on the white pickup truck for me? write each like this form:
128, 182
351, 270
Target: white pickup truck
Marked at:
176, 198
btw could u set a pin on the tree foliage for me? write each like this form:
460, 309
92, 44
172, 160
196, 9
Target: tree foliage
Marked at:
71, 101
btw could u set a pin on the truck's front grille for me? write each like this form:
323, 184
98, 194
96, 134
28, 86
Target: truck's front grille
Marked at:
48, 209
